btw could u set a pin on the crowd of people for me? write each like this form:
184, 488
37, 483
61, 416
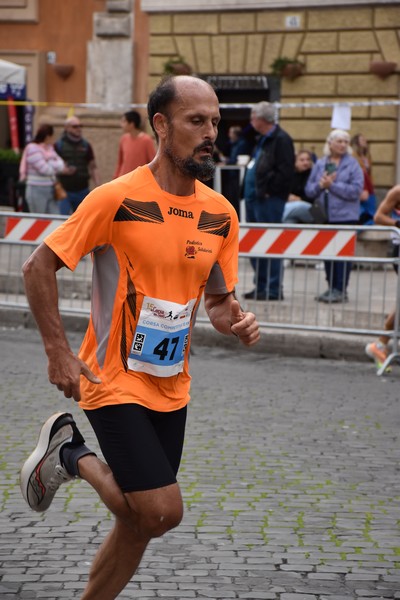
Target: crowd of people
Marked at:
278, 186
70, 161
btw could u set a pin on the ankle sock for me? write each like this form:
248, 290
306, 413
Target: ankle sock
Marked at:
70, 455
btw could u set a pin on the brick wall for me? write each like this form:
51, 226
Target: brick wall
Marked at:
336, 46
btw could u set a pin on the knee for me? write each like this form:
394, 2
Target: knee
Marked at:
154, 523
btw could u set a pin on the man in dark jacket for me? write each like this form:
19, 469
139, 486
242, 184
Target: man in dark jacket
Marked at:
267, 186
77, 154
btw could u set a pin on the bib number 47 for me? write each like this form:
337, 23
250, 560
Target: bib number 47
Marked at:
167, 348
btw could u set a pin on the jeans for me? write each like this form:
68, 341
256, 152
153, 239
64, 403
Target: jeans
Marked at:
72, 201
40, 199
297, 211
338, 272
268, 271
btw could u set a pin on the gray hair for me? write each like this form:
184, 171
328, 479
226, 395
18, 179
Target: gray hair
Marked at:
334, 134
265, 110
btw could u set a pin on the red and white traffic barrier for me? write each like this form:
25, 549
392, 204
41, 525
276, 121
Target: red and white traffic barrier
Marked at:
252, 240
28, 229
304, 242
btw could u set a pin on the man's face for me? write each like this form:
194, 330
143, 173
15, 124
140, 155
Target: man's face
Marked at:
257, 123
192, 127
127, 127
74, 129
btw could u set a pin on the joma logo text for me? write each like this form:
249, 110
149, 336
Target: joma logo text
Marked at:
186, 214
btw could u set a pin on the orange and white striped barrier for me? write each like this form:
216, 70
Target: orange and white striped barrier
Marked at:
298, 242
28, 229
252, 240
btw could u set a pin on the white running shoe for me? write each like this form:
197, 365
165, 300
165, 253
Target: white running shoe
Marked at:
42, 473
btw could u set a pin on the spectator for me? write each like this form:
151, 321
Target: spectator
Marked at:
79, 156
238, 145
39, 166
337, 181
267, 185
136, 148
361, 153
230, 178
297, 207
388, 213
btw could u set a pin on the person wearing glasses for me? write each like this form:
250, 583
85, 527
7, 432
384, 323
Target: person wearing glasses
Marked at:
78, 154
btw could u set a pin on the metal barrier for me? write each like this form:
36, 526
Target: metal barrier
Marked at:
374, 290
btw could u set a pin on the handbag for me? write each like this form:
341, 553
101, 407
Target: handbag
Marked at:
59, 191
319, 212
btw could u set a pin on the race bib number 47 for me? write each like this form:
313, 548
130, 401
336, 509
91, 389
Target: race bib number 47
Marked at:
161, 337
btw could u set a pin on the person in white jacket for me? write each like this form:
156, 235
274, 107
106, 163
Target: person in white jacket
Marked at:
39, 166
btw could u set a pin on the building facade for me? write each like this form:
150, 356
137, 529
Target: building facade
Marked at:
118, 49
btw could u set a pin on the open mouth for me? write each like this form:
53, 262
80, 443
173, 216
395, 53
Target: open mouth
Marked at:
205, 150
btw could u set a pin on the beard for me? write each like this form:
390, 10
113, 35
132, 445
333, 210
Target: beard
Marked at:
203, 169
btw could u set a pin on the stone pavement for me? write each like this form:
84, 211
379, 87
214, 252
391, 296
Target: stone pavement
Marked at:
290, 479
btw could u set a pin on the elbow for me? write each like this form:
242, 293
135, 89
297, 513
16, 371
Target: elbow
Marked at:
28, 268
39, 261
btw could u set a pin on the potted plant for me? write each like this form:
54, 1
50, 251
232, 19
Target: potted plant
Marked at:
177, 66
290, 68
7, 155
9, 175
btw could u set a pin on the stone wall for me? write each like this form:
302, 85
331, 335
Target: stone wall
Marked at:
337, 47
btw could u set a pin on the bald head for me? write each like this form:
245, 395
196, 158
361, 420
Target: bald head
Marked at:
73, 127
177, 89
72, 121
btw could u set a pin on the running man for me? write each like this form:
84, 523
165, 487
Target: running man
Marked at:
131, 376
388, 213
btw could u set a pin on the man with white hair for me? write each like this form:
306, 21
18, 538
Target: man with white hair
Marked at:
79, 156
267, 186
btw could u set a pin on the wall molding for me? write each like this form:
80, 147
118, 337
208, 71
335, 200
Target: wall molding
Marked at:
160, 6
19, 10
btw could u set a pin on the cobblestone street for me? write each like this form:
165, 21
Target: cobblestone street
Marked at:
290, 479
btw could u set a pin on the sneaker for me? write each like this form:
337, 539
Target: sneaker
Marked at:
43, 473
255, 295
378, 352
322, 297
333, 296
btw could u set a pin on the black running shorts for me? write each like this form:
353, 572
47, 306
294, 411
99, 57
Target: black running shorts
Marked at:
142, 447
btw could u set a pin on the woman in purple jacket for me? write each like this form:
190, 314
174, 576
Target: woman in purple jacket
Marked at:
337, 181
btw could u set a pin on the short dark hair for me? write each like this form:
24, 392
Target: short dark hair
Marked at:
42, 133
160, 99
132, 116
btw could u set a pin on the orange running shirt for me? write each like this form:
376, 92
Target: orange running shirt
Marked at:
153, 255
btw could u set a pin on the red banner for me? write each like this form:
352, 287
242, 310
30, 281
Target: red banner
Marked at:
13, 122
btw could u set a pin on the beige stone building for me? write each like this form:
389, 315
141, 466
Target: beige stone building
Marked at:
336, 41
119, 49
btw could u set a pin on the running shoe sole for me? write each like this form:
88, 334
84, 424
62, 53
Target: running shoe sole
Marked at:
39, 468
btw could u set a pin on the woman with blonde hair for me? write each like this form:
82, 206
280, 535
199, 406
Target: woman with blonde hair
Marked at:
336, 181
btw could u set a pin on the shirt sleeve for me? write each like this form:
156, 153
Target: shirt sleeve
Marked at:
37, 163
224, 273
89, 227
